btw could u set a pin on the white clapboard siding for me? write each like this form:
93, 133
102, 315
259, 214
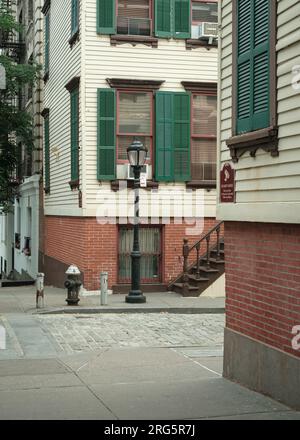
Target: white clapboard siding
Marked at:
170, 62
264, 180
63, 66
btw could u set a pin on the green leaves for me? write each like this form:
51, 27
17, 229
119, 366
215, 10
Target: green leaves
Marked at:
16, 128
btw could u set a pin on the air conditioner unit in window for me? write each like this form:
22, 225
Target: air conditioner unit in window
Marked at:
208, 30
130, 175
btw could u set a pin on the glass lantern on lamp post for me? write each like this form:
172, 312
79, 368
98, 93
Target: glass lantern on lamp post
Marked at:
137, 154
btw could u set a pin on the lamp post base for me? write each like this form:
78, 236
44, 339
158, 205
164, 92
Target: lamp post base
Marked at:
135, 297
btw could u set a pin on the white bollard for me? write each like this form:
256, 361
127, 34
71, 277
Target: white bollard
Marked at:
40, 290
103, 284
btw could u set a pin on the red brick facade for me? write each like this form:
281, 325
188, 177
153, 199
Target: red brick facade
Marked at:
94, 248
263, 281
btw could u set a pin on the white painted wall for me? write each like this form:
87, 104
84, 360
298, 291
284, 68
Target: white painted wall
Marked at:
267, 188
29, 198
94, 59
6, 240
64, 64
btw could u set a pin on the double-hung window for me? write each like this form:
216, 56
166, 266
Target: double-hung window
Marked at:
204, 11
134, 119
144, 18
134, 17
203, 133
124, 115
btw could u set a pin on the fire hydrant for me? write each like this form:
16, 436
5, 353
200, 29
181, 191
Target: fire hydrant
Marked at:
73, 285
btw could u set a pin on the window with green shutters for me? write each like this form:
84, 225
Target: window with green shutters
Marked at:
253, 65
74, 16
106, 136
47, 154
47, 43
172, 155
173, 18
74, 135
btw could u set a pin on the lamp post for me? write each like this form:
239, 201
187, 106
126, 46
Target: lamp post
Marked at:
136, 153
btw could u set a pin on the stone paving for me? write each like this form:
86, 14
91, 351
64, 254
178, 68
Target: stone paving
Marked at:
78, 333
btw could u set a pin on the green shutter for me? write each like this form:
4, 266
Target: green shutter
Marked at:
172, 137
164, 137
74, 135
106, 16
253, 65
163, 20
47, 153
106, 139
74, 17
47, 38
261, 64
181, 138
182, 18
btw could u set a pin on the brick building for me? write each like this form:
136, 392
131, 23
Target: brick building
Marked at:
115, 70
259, 138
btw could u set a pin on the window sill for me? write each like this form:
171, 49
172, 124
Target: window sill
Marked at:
74, 184
191, 43
134, 40
207, 184
266, 139
74, 38
130, 184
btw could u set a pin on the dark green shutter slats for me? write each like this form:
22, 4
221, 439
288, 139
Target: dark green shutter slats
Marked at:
47, 153
181, 138
253, 65
106, 138
74, 135
182, 19
164, 137
106, 16
74, 17
173, 18
261, 64
163, 18
172, 136
47, 45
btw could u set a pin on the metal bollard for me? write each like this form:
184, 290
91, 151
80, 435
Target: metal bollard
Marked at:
40, 290
103, 284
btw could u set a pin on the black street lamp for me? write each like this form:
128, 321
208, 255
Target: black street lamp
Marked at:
137, 154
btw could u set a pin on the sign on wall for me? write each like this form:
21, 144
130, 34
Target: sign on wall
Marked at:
227, 184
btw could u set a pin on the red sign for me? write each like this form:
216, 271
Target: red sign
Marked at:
227, 186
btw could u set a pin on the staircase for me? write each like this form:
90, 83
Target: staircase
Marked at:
203, 264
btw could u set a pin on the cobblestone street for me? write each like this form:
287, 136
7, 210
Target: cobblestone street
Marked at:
77, 333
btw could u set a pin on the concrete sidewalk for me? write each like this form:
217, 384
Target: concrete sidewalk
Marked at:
129, 384
22, 299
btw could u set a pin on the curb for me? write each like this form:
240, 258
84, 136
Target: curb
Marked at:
95, 310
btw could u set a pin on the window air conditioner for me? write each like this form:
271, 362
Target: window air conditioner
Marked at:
208, 30
130, 175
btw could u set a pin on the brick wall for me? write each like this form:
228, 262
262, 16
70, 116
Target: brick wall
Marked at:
82, 241
93, 247
263, 281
